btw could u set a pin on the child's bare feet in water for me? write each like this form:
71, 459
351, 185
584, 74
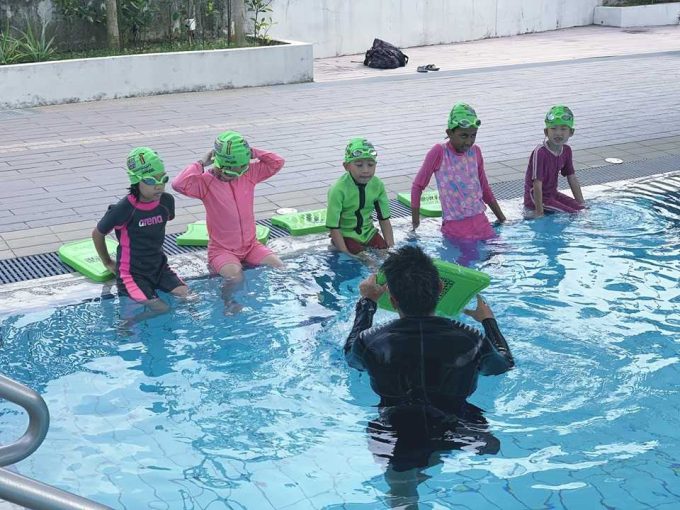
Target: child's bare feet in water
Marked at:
232, 307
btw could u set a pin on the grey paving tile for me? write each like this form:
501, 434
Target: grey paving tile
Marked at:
31, 240
33, 250
10, 237
300, 201
11, 223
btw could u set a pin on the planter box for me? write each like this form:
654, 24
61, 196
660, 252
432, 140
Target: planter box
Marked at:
68, 81
638, 15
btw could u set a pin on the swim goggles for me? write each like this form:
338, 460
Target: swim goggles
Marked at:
234, 171
467, 123
464, 116
152, 181
552, 117
360, 148
368, 154
559, 116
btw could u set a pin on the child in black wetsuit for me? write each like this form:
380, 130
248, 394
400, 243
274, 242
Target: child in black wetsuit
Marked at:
141, 267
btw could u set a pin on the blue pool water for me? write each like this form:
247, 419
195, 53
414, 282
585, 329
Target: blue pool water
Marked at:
193, 410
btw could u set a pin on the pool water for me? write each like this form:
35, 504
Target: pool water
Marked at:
195, 410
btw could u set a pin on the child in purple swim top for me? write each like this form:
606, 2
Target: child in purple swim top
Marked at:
458, 167
547, 161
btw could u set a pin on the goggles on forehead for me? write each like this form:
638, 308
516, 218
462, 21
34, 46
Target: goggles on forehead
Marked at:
467, 123
552, 117
367, 153
150, 180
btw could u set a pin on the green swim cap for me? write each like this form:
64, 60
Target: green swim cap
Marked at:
559, 115
360, 148
464, 116
231, 150
143, 161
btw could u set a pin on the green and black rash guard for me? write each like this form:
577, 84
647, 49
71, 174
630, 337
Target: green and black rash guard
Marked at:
350, 206
140, 229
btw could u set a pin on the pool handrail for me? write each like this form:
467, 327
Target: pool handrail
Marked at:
35, 495
19, 489
38, 420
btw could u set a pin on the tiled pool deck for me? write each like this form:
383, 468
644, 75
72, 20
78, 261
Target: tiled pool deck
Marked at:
62, 165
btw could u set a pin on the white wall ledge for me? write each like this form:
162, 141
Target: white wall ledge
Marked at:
65, 81
638, 15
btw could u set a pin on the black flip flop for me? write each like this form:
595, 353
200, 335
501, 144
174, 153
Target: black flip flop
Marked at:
430, 67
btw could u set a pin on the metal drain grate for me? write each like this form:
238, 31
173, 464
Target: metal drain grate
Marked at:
31, 267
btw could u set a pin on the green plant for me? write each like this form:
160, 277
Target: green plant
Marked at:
35, 47
262, 20
92, 11
10, 52
135, 16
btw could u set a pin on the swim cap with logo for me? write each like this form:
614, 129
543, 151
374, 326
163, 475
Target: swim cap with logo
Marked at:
464, 116
231, 151
143, 161
559, 115
360, 148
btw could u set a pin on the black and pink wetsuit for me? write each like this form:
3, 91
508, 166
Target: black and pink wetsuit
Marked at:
140, 262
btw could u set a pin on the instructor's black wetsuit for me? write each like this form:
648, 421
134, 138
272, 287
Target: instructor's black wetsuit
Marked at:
423, 369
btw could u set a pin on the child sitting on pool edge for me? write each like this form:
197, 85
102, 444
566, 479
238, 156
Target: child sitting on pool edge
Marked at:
227, 190
352, 199
141, 267
547, 161
458, 167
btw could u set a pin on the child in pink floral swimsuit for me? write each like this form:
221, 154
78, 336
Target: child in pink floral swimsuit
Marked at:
463, 188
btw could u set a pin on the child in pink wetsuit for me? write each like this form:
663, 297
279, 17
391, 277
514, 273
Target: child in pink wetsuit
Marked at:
463, 188
227, 190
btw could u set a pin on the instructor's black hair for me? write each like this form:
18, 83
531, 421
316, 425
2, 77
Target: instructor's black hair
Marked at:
413, 280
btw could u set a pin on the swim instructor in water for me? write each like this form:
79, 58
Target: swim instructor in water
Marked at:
423, 368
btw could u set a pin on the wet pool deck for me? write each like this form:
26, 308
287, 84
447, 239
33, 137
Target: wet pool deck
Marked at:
62, 165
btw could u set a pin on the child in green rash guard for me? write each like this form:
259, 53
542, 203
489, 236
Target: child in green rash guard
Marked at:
352, 199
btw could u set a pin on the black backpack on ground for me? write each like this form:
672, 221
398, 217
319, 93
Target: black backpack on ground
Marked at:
383, 55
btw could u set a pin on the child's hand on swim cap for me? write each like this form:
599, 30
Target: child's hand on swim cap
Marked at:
208, 158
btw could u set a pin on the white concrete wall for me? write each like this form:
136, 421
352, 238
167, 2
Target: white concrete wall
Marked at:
342, 27
638, 16
24, 85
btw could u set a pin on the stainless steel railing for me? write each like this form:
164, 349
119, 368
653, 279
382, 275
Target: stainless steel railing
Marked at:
38, 421
19, 489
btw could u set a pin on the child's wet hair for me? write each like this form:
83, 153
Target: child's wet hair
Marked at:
134, 190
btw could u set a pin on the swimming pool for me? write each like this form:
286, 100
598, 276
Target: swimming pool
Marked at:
194, 410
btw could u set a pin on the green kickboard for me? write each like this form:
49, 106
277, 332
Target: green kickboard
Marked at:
197, 234
429, 203
82, 256
299, 224
461, 284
